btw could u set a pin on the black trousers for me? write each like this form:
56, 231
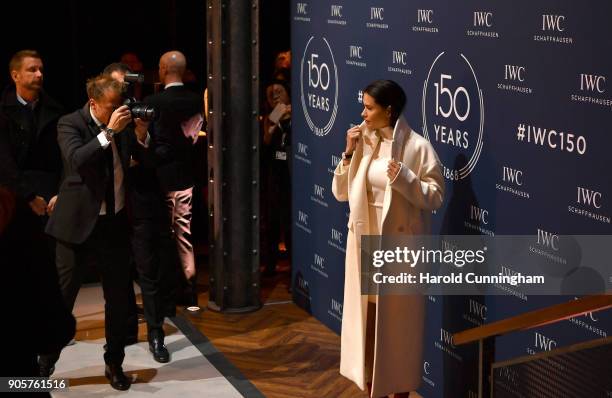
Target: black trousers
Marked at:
106, 249
155, 256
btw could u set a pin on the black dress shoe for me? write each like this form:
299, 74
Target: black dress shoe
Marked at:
118, 380
159, 350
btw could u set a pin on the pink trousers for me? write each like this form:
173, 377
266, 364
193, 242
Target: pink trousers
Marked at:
179, 208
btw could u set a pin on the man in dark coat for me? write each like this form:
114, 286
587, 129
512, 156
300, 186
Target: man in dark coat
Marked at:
175, 132
30, 160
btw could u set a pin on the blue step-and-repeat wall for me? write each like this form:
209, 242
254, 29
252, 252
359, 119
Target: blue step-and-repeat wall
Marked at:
516, 98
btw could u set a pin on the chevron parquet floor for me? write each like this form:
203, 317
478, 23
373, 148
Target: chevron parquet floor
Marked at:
281, 349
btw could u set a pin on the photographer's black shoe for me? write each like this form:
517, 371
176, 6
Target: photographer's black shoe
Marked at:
159, 350
118, 379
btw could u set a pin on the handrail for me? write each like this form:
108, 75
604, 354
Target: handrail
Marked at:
535, 318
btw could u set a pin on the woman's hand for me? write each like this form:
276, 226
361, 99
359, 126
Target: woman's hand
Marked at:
393, 169
352, 136
287, 112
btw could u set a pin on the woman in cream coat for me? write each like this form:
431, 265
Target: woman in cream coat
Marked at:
392, 180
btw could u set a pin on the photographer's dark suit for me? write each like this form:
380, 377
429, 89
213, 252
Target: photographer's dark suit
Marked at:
84, 236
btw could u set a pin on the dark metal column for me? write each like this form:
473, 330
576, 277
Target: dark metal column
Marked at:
233, 154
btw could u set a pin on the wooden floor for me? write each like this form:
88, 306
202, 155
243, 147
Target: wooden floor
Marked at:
281, 349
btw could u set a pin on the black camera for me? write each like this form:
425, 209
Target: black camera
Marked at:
133, 78
138, 110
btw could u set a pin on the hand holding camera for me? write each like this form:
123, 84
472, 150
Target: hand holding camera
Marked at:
139, 110
141, 129
120, 118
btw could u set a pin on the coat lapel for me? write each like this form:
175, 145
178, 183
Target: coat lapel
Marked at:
13, 109
365, 148
401, 133
92, 128
49, 112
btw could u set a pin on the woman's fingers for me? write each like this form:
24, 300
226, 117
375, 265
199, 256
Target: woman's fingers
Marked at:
352, 136
393, 168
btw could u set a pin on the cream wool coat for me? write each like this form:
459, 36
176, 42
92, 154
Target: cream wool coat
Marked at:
408, 201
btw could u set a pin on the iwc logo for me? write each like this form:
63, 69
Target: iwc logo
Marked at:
453, 114
319, 86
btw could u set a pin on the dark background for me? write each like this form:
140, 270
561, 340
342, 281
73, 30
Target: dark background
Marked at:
77, 39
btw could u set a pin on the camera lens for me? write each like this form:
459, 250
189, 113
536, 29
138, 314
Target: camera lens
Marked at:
140, 110
143, 111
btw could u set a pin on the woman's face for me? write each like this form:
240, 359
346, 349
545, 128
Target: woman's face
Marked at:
276, 94
374, 115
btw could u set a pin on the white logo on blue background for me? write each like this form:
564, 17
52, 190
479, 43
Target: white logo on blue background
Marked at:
319, 86
453, 114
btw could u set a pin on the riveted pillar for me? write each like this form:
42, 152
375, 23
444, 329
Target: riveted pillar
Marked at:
233, 154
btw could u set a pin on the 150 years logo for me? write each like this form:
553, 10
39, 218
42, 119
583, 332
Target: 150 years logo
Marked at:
319, 85
453, 114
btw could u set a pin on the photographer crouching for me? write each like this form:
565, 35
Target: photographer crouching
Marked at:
89, 221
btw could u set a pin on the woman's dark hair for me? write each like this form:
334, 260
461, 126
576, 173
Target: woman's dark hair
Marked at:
388, 93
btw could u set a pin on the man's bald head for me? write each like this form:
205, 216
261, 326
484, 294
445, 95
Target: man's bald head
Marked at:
172, 66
